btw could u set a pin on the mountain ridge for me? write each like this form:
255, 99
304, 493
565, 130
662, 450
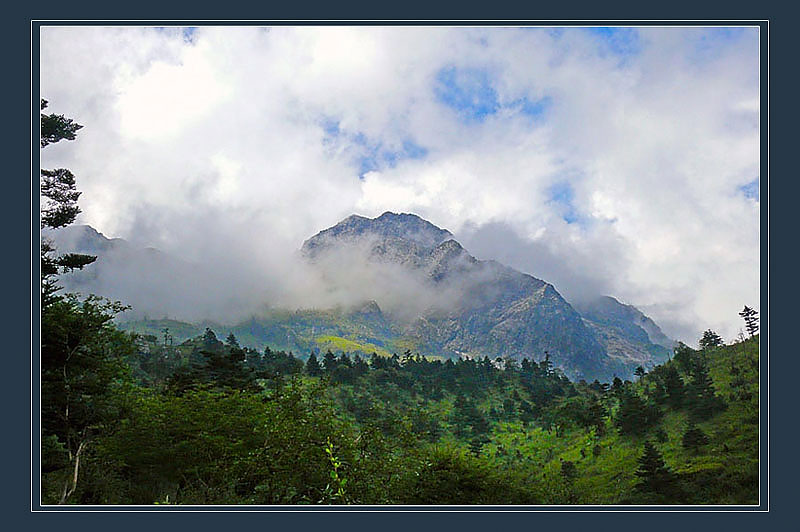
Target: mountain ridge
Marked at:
503, 312
484, 308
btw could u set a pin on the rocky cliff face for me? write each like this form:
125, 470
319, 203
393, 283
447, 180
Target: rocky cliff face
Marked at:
492, 310
627, 334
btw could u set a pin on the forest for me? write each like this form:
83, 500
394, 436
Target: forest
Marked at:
135, 420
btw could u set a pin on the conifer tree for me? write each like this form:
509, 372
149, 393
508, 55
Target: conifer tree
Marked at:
694, 438
655, 478
210, 339
329, 361
235, 352
634, 415
750, 317
60, 207
710, 339
312, 366
673, 386
701, 397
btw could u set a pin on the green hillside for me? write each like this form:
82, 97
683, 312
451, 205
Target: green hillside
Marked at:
300, 332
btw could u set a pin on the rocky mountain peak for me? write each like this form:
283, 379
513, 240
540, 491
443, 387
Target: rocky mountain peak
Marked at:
388, 227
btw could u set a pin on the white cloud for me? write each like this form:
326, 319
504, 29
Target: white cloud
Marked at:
229, 131
170, 97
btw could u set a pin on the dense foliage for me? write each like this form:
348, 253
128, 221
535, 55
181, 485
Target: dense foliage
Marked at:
210, 422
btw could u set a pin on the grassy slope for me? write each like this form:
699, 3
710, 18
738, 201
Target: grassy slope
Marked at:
725, 471
299, 332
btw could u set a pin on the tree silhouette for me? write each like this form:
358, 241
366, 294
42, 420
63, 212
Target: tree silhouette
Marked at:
60, 207
656, 480
750, 318
710, 339
312, 366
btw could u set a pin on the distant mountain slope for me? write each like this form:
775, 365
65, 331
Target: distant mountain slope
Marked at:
154, 283
627, 334
119, 264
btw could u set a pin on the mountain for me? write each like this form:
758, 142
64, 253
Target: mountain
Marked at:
401, 232
486, 308
626, 333
398, 283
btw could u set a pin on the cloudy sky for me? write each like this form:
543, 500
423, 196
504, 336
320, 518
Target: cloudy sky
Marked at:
621, 161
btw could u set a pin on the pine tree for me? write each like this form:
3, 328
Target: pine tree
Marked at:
750, 317
210, 339
235, 352
694, 438
634, 415
701, 397
231, 340
673, 386
360, 365
329, 361
656, 479
710, 339
60, 208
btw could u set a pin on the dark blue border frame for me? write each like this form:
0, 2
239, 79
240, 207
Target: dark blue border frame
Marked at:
640, 516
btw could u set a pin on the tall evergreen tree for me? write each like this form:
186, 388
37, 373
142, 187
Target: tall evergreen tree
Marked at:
694, 438
60, 208
235, 352
329, 361
656, 480
210, 339
634, 415
673, 386
750, 317
312, 366
81, 350
701, 398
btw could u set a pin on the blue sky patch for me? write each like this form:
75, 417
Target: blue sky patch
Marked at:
750, 190
563, 196
188, 34
620, 41
377, 157
369, 154
330, 127
468, 91
409, 150
536, 108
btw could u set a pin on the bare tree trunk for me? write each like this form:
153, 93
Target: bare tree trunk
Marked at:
65, 494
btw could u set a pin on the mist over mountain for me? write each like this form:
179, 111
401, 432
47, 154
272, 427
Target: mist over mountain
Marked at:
389, 283
470, 307
155, 283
